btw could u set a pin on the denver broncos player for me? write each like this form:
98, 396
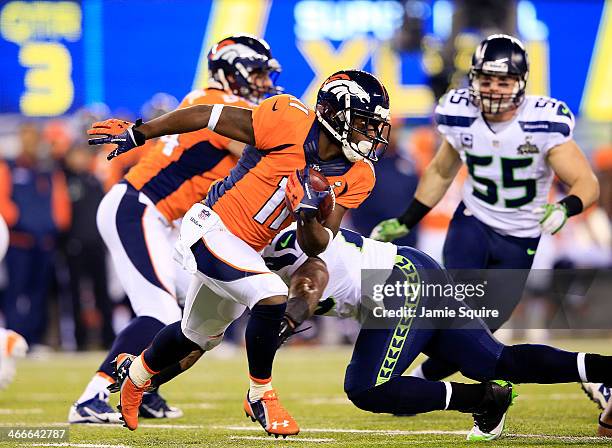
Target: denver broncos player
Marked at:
513, 144
221, 238
136, 216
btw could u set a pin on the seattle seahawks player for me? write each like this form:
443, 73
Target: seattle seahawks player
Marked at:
332, 283
513, 144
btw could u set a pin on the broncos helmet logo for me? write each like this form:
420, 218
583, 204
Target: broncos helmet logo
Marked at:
341, 87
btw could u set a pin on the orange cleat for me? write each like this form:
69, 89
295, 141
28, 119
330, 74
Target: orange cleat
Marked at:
271, 415
130, 395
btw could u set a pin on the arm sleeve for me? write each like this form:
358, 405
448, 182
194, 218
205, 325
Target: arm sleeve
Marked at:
561, 126
8, 209
441, 118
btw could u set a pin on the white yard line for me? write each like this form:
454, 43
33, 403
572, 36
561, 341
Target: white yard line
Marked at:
10, 411
79, 445
400, 432
141, 425
290, 439
384, 432
195, 405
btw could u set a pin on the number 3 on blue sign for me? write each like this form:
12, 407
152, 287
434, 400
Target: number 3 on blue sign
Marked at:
49, 87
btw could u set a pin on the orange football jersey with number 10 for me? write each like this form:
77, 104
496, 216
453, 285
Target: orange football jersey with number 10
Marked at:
178, 171
251, 199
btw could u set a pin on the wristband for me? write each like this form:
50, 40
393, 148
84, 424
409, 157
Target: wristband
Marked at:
215, 113
297, 310
414, 213
573, 205
139, 137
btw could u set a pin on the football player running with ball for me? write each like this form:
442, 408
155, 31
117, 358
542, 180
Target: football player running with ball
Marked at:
244, 211
513, 145
137, 216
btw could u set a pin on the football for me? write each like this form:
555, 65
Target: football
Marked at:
319, 182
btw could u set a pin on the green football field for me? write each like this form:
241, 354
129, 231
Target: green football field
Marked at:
309, 382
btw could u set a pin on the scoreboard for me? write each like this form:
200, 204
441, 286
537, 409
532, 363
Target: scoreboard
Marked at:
60, 55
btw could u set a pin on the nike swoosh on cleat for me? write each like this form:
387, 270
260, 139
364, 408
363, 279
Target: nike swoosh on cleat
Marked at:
157, 414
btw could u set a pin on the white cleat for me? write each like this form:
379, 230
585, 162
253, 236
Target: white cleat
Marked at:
12, 346
94, 410
598, 393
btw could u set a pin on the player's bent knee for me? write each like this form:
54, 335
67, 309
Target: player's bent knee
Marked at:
205, 342
377, 399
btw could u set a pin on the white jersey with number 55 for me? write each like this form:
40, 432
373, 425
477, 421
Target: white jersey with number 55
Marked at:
508, 172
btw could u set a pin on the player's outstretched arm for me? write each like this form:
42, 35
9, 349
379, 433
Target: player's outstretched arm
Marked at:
571, 166
305, 290
232, 122
436, 179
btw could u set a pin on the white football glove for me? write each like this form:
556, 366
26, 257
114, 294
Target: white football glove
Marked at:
553, 217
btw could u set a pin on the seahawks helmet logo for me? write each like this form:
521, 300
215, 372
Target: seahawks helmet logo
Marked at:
341, 87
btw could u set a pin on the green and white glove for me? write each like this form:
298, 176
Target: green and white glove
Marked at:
554, 217
389, 230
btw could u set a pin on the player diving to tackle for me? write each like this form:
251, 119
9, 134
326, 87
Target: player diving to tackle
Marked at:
137, 216
245, 210
332, 283
513, 144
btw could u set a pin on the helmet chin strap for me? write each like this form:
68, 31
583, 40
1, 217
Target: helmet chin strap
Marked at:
353, 152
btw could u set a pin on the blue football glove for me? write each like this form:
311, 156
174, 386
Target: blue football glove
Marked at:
116, 132
301, 197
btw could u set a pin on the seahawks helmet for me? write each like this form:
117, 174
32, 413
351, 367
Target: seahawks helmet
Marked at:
499, 54
232, 61
353, 107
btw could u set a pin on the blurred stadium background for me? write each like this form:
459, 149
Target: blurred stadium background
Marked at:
66, 64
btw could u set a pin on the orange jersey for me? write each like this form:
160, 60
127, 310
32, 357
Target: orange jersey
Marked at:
251, 199
179, 169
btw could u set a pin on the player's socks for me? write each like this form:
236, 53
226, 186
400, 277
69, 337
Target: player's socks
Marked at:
262, 338
466, 397
140, 373
403, 395
258, 388
531, 363
169, 347
434, 369
98, 384
597, 368
133, 339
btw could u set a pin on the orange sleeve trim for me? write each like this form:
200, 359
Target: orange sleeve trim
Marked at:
258, 381
8, 209
147, 368
60, 202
